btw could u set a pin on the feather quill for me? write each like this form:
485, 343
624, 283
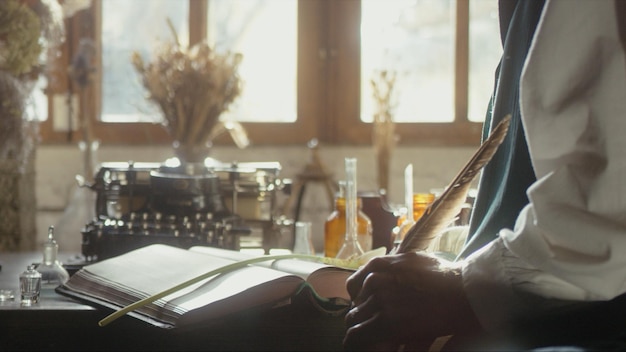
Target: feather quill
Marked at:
442, 211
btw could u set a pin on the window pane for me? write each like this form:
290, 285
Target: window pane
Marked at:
485, 49
134, 25
414, 38
254, 28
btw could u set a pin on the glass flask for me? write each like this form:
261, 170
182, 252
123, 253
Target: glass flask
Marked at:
335, 226
53, 274
351, 248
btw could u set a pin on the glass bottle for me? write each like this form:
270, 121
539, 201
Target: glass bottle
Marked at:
303, 242
351, 248
30, 285
335, 226
421, 201
53, 274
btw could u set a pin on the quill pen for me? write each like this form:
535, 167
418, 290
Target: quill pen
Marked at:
442, 211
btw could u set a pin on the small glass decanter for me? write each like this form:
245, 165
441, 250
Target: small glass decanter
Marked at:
351, 247
53, 274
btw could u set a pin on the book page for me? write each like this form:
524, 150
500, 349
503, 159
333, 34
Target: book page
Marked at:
302, 268
328, 281
155, 268
222, 253
267, 294
152, 269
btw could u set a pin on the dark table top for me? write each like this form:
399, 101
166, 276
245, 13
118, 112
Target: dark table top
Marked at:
60, 323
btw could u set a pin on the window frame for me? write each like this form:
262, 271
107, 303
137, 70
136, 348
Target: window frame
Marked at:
328, 85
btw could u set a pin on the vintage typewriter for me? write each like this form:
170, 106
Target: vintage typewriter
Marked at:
225, 205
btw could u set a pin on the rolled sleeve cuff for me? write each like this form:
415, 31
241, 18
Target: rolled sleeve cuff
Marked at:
503, 289
488, 288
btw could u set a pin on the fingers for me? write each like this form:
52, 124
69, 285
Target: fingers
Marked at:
368, 321
366, 334
355, 281
362, 321
374, 282
361, 312
365, 319
370, 328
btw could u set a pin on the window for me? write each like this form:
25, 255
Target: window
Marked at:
265, 31
415, 40
484, 53
306, 68
123, 97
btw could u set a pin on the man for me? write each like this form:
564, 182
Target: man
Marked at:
557, 275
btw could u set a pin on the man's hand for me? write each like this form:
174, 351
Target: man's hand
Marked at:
407, 299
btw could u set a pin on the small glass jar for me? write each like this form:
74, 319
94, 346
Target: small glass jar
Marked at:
30, 285
303, 242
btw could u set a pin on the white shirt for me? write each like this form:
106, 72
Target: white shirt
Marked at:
570, 241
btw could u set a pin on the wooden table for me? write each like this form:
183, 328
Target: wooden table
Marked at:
60, 323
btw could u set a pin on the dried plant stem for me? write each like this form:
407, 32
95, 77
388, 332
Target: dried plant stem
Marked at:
384, 137
173, 30
180, 131
201, 111
383, 158
200, 122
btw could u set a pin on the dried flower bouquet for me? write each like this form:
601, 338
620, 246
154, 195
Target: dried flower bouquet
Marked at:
192, 87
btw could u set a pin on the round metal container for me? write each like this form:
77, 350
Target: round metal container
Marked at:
176, 192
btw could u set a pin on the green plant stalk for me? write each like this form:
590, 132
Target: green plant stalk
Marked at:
348, 264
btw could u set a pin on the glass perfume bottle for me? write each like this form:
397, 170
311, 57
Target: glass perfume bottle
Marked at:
53, 274
351, 248
335, 225
30, 285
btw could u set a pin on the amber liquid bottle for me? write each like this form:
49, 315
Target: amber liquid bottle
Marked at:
421, 201
335, 227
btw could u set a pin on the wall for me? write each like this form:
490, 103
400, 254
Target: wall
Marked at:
62, 204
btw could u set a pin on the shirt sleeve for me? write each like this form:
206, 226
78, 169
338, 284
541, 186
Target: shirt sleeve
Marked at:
569, 242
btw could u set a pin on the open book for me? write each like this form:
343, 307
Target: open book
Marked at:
130, 277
